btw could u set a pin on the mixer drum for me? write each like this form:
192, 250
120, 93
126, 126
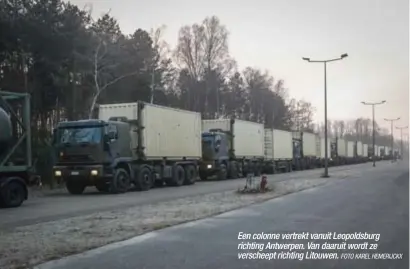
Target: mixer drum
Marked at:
5, 131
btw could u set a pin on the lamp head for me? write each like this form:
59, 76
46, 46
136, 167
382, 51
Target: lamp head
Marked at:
306, 59
344, 55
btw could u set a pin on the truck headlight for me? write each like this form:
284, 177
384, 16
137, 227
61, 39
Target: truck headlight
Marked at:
94, 172
209, 166
57, 173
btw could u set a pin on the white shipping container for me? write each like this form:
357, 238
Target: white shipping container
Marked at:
249, 137
350, 149
365, 150
278, 145
341, 147
168, 133
309, 144
359, 149
322, 145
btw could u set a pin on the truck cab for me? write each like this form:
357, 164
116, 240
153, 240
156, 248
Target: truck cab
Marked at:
92, 153
215, 154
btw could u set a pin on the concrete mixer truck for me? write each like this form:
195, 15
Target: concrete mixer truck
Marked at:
15, 150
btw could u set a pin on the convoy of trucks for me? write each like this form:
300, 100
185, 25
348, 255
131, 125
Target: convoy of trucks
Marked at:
143, 145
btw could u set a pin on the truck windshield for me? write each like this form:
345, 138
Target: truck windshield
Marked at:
80, 135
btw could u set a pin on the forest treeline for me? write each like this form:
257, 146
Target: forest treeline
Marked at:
70, 63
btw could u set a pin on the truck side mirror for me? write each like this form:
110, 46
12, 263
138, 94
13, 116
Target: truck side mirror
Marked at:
217, 147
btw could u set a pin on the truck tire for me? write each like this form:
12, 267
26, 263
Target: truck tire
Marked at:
222, 173
75, 187
144, 179
121, 181
190, 175
12, 194
178, 177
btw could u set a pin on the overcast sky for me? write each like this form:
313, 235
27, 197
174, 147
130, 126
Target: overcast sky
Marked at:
275, 34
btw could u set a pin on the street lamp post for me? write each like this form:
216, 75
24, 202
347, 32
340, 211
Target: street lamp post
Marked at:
326, 173
392, 137
401, 138
374, 128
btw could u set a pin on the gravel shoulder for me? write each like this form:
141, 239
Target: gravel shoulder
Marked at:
27, 246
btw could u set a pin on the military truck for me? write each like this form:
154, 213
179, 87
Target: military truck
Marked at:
338, 152
231, 148
278, 151
350, 154
16, 171
304, 150
130, 144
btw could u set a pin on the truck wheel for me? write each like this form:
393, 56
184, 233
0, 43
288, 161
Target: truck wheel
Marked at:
178, 176
222, 173
12, 194
144, 179
75, 187
190, 175
121, 181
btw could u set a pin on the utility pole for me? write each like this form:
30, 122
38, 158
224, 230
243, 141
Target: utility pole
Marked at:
374, 128
392, 136
326, 173
401, 139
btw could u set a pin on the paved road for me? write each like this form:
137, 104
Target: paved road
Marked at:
63, 205
374, 202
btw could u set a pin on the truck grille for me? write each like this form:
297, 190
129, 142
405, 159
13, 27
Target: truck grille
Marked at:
75, 158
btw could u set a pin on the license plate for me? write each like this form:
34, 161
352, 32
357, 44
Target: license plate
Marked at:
75, 173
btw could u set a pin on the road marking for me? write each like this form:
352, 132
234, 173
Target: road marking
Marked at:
97, 251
